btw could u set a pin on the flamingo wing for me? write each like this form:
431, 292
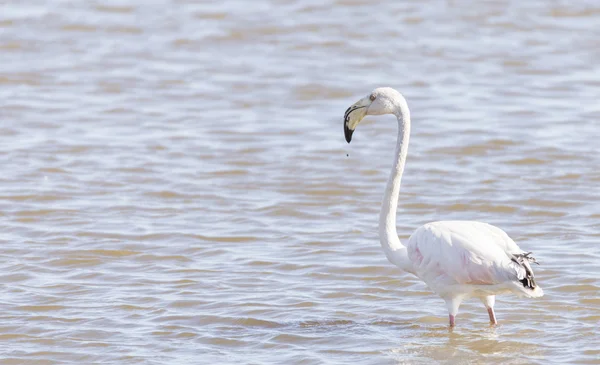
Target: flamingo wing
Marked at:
450, 253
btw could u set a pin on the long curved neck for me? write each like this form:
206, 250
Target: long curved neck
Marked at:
393, 248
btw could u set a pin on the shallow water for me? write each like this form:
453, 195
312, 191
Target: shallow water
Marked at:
176, 187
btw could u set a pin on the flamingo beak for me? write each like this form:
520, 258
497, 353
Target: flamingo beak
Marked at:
347, 132
354, 115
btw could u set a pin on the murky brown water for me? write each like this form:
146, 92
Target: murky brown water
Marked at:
175, 185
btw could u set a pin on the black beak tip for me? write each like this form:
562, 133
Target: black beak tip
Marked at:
348, 133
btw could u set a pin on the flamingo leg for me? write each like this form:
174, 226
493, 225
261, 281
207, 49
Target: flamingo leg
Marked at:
492, 316
453, 304
489, 301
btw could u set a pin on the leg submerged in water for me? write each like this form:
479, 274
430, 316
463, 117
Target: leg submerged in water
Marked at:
489, 305
453, 304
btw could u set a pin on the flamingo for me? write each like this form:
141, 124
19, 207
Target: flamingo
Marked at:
456, 259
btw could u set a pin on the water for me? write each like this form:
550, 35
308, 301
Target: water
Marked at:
176, 190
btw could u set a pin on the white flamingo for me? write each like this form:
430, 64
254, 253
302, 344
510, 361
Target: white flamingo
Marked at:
456, 259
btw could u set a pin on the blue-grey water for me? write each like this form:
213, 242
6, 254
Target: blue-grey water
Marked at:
176, 189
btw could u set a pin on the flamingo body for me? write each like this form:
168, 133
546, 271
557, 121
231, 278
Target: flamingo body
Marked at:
467, 257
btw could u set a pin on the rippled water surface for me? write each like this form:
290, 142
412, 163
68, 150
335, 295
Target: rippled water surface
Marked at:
176, 187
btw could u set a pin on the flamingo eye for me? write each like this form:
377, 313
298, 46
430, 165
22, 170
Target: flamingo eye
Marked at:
372, 97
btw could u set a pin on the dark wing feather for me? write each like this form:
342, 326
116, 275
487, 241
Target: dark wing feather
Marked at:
525, 275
